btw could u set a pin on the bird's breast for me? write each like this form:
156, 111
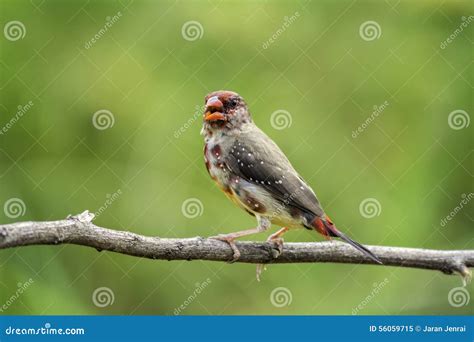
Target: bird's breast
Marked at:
214, 159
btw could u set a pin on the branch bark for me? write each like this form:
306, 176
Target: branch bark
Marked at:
79, 230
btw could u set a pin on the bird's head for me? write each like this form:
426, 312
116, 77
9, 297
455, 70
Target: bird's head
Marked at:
225, 110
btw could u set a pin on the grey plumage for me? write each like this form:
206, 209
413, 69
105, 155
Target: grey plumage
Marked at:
257, 159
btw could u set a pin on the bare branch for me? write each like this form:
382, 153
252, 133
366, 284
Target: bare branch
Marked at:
80, 230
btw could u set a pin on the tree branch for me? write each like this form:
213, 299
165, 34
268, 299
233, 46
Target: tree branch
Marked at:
79, 230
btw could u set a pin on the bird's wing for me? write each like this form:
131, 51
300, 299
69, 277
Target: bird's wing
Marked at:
257, 159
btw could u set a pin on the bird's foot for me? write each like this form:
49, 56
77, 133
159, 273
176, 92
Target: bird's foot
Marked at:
260, 269
276, 252
230, 239
278, 242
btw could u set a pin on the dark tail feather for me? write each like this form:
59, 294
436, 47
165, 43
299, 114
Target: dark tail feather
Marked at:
331, 230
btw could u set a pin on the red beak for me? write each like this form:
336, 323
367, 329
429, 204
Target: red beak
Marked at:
214, 109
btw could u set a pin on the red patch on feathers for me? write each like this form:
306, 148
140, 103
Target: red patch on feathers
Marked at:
319, 226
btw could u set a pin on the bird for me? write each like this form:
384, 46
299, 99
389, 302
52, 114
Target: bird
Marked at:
255, 174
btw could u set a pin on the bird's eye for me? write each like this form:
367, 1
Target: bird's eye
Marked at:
233, 102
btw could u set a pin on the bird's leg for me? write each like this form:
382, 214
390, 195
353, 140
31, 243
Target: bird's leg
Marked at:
230, 239
277, 239
263, 225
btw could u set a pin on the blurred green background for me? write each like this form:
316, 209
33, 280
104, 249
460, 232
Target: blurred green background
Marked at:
151, 75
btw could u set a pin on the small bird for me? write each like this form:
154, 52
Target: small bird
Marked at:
257, 176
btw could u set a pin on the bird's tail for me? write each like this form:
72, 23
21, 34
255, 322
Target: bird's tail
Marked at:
325, 227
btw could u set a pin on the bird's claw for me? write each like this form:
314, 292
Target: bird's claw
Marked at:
276, 252
231, 242
260, 269
278, 242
